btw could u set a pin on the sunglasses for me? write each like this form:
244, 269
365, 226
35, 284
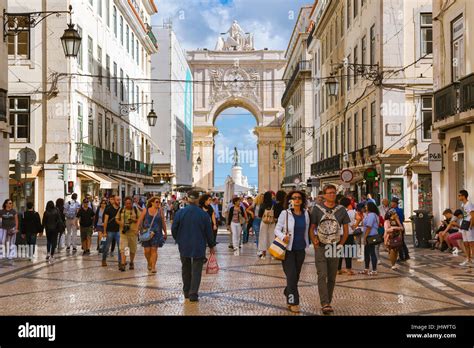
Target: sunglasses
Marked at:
297, 198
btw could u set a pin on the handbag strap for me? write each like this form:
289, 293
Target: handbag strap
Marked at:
152, 220
287, 212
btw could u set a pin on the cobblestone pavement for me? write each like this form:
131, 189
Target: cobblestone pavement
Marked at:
431, 283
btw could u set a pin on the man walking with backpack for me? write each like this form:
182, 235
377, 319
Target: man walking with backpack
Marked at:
70, 211
326, 222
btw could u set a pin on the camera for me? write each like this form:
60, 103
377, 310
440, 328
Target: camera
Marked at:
126, 228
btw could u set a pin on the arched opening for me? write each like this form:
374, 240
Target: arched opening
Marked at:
235, 127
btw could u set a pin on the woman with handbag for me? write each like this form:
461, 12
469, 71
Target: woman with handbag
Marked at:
51, 224
235, 219
393, 236
154, 224
267, 226
9, 227
371, 237
99, 225
292, 228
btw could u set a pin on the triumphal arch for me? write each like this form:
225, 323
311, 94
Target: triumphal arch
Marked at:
235, 74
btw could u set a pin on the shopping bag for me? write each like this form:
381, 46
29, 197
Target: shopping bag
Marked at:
278, 249
212, 266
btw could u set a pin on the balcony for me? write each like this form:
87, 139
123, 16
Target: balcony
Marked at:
446, 102
329, 165
466, 88
94, 156
302, 66
291, 179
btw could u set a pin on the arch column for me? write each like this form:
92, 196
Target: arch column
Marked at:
203, 147
269, 173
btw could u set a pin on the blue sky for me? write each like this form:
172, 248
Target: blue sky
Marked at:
198, 24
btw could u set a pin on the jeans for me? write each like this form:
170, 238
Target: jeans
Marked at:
292, 267
191, 270
327, 271
369, 254
236, 230
71, 232
256, 228
31, 242
111, 236
245, 233
349, 241
51, 241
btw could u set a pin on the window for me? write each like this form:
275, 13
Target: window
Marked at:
137, 90
90, 55
364, 50
91, 2
364, 126
457, 48
343, 136
127, 90
19, 119
342, 22
107, 133
372, 45
80, 123
356, 62
19, 44
107, 68
348, 73
115, 20
99, 8
107, 12
356, 8
138, 50
133, 46
348, 8
121, 85
372, 124
79, 54
356, 131
349, 135
99, 63
426, 27
122, 137
121, 30
127, 37
331, 142
336, 140
90, 125
427, 116
132, 92
115, 80
100, 119
326, 155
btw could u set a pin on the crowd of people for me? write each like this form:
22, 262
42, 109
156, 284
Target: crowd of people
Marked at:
340, 229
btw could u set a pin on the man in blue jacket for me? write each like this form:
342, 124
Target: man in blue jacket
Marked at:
192, 230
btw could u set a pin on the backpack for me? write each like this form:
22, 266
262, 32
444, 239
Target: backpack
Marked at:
122, 210
329, 228
268, 216
71, 210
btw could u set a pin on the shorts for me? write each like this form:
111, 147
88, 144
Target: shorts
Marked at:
468, 236
455, 236
129, 240
86, 232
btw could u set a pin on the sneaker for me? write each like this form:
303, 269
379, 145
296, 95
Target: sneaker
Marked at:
193, 298
51, 258
263, 257
455, 251
236, 252
131, 266
394, 267
465, 263
122, 268
74, 250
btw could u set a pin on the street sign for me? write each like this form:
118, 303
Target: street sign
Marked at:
297, 181
26, 170
435, 157
26, 156
347, 175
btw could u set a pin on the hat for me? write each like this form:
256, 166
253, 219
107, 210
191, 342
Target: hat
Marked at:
193, 194
395, 200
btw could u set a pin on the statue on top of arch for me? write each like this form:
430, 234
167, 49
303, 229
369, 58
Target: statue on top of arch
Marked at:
237, 40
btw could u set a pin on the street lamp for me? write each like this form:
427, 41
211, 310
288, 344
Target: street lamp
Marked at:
275, 155
288, 138
71, 40
199, 161
332, 86
152, 117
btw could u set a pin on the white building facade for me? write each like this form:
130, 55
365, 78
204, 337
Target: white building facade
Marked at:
86, 116
173, 97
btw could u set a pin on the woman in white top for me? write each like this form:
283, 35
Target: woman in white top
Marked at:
292, 227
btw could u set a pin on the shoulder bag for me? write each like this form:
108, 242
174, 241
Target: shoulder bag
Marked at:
278, 247
146, 235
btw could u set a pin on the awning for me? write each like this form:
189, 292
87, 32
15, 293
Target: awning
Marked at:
131, 181
105, 181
